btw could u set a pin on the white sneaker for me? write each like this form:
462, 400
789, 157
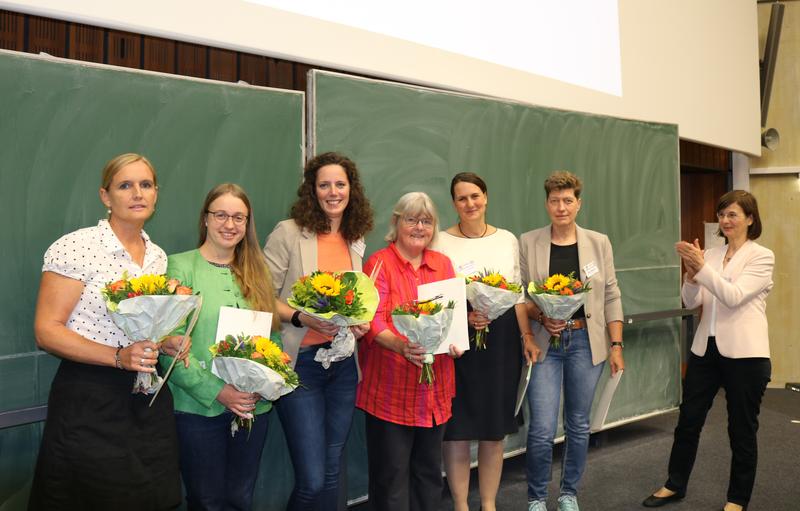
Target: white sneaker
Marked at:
537, 505
568, 503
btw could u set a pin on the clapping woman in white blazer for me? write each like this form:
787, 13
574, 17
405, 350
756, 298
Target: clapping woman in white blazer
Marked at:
730, 348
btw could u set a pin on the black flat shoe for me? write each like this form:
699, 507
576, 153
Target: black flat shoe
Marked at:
653, 501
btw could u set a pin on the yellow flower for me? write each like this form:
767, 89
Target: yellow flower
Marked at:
426, 307
148, 284
266, 347
326, 284
556, 282
213, 349
493, 279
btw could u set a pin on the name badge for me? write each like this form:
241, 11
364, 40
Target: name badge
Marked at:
467, 269
359, 246
590, 269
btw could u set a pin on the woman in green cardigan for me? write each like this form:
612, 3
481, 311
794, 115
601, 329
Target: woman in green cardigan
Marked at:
228, 269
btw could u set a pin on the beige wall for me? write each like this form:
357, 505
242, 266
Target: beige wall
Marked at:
693, 63
779, 199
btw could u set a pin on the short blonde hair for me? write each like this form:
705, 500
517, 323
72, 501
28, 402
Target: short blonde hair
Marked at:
115, 164
563, 180
412, 204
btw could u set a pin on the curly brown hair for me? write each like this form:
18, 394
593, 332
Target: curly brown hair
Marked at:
357, 220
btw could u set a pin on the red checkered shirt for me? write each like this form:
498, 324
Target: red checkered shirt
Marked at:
389, 389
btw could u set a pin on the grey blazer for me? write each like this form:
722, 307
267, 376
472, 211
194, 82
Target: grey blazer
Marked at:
291, 252
604, 302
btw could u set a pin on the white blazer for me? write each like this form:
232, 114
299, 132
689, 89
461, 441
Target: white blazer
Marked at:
739, 293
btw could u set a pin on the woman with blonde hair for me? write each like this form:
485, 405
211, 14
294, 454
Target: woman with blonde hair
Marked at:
227, 269
104, 447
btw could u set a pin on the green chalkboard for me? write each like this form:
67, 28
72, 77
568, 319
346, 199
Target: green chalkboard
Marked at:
406, 138
60, 121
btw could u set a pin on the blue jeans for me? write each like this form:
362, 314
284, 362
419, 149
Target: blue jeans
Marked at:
316, 419
571, 364
219, 471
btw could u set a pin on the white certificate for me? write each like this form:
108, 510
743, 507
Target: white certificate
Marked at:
601, 411
233, 321
454, 289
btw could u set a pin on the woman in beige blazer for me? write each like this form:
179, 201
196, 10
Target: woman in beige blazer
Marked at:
325, 232
593, 335
730, 348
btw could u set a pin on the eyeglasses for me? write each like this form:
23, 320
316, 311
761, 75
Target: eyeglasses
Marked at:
733, 216
222, 217
410, 221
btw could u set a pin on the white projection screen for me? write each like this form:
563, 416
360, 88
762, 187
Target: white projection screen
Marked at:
687, 62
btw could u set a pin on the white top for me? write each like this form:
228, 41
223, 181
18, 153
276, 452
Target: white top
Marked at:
95, 256
496, 252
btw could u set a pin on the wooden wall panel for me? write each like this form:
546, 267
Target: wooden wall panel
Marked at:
300, 76
253, 69
159, 55
12, 31
280, 74
86, 43
704, 157
124, 49
222, 65
699, 194
47, 35
192, 60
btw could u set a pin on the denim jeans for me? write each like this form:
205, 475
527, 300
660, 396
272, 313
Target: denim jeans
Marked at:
570, 363
316, 419
219, 471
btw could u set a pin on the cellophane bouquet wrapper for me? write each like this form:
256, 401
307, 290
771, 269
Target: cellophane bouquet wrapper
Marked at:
152, 317
249, 376
343, 344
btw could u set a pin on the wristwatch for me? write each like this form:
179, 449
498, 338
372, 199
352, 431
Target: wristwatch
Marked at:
296, 319
617, 343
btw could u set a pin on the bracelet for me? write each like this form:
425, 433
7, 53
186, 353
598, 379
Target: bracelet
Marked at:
523, 334
296, 319
617, 344
117, 360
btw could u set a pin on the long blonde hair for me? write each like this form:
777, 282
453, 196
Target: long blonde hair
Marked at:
249, 265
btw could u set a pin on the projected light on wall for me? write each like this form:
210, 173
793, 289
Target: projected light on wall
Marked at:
576, 42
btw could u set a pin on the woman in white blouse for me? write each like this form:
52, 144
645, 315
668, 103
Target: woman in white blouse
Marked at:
103, 447
730, 348
486, 379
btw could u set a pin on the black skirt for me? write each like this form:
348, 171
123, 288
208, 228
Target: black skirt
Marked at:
486, 384
104, 448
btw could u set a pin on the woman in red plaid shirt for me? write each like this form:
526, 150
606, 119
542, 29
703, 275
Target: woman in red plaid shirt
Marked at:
404, 418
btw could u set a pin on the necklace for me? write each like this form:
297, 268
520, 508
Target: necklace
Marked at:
220, 265
485, 228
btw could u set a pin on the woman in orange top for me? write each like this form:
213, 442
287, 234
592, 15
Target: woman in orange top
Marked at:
325, 232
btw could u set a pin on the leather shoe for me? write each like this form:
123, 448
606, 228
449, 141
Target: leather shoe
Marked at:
653, 501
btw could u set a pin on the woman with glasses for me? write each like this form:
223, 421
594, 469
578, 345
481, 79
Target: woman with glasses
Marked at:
486, 379
104, 447
328, 222
405, 418
228, 269
730, 347
592, 335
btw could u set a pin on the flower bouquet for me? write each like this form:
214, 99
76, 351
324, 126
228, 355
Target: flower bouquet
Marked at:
425, 323
558, 297
490, 293
148, 307
253, 364
343, 298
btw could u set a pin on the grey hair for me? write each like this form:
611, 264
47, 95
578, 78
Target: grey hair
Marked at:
413, 204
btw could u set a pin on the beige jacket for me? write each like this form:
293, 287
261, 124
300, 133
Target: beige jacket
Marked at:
291, 253
740, 292
604, 301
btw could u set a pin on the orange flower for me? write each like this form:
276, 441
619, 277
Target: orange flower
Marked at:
566, 291
577, 285
349, 296
183, 290
256, 355
285, 358
117, 286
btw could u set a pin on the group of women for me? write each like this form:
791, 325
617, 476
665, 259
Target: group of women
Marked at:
105, 448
